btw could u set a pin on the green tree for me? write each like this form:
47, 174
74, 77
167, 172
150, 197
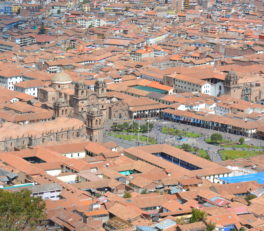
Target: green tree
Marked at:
125, 126
42, 29
250, 197
18, 11
114, 127
197, 215
210, 227
186, 147
134, 127
242, 229
216, 138
20, 211
127, 195
241, 140
120, 127
151, 126
144, 128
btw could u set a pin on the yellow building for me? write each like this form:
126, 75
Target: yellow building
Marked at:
86, 7
15, 8
186, 4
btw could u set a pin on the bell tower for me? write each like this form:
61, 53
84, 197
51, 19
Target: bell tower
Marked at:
62, 108
95, 124
80, 98
230, 82
100, 89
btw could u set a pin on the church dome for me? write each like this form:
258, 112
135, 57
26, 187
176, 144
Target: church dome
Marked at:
61, 78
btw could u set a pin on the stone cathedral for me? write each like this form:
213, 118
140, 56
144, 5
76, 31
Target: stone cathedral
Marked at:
76, 100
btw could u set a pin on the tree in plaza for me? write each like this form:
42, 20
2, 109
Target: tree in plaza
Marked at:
197, 215
134, 127
144, 128
186, 147
241, 140
151, 125
114, 126
216, 138
125, 126
20, 211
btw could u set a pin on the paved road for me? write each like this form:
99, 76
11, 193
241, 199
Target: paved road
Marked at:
196, 142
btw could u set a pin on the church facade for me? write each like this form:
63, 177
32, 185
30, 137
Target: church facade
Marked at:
243, 88
67, 99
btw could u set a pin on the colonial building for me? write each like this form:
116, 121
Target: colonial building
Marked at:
249, 89
16, 136
76, 100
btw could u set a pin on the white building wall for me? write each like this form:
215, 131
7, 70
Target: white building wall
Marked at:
32, 91
54, 172
238, 171
68, 178
54, 69
12, 81
75, 155
217, 89
53, 195
206, 89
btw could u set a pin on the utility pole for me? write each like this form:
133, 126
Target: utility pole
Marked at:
138, 131
148, 131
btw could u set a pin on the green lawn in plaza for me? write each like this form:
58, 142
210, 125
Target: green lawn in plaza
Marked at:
241, 146
131, 137
176, 132
222, 142
204, 154
235, 154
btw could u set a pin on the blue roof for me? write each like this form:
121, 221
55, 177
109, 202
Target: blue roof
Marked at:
165, 224
18, 186
174, 190
145, 228
229, 227
259, 177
